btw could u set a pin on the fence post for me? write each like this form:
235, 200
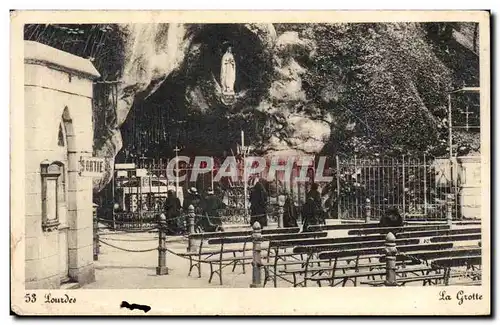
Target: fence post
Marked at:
162, 269
191, 216
256, 262
449, 209
96, 232
368, 210
390, 260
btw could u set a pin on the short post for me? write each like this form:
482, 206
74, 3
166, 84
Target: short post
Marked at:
256, 262
162, 269
281, 212
449, 209
191, 216
96, 232
390, 260
368, 210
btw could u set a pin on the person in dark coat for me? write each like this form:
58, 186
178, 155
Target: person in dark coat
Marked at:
192, 198
289, 213
172, 210
258, 205
391, 218
210, 220
312, 212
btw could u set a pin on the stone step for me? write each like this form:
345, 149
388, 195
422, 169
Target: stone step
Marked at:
70, 285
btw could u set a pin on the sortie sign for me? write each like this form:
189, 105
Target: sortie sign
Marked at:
91, 166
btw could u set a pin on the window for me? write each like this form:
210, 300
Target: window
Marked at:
61, 136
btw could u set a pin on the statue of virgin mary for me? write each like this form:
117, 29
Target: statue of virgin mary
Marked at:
228, 72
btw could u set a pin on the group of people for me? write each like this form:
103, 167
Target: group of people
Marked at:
312, 211
206, 209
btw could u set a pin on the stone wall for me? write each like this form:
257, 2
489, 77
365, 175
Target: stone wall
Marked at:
58, 94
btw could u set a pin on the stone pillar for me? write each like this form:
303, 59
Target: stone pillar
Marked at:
280, 217
390, 260
257, 258
162, 269
368, 210
191, 216
449, 209
469, 172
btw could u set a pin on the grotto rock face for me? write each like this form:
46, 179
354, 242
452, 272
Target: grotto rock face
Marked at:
170, 93
319, 88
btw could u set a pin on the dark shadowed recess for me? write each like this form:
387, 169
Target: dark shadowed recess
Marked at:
202, 125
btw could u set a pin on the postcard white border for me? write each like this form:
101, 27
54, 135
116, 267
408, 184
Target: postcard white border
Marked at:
267, 301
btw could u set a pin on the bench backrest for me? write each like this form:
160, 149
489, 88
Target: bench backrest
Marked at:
343, 226
352, 245
381, 250
457, 261
463, 237
234, 240
430, 255
433, 233
354, 239
242, 233
385, 230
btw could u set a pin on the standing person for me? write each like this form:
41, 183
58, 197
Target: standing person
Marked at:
258, 205
211, 220
289, 213
312, 210
192, 198
172, 209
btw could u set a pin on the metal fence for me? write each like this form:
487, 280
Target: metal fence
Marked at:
418, 187
140, 191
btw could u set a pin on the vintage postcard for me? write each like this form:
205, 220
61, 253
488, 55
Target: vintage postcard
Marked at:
250, 163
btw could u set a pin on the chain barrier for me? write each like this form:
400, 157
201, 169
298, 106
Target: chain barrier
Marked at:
155, 249
130, 240
129, 250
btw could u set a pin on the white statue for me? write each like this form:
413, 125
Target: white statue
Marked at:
228, 72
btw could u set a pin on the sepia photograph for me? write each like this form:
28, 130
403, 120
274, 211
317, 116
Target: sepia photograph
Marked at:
261, 155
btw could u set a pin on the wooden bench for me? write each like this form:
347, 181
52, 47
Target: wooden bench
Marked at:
314, 264
395, 230
196, 258
472, 263
305, 246
427, 258
271, 267
354, 271
221, 262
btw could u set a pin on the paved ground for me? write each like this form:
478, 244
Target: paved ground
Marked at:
118, 269
130, 270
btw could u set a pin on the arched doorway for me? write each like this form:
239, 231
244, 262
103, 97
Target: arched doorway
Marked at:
64, 142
